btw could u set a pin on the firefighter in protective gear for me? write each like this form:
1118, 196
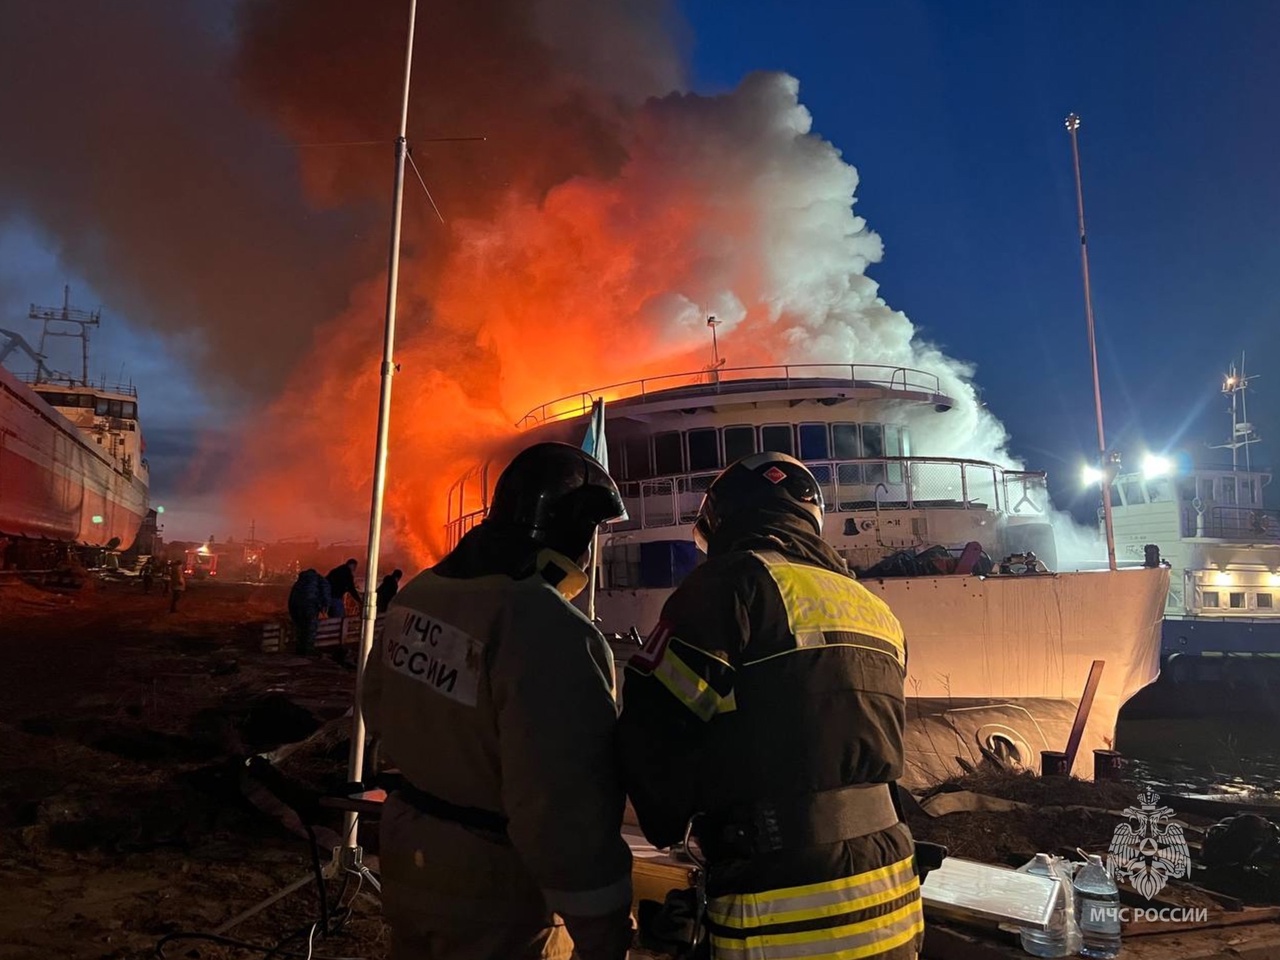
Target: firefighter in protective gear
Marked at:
494, 696
767, 706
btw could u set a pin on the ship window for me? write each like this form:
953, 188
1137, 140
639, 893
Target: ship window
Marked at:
637, 454
115, 409
86, 400
1186, 489
1228, 490
1264, 601
813, 441
1237, 601
131, 410
1209, 598
776, 438
100, 406
1132, 492
844, 441
1159, 490
873, 446
873, 440
1248, 491
704, 449
893, 447
1205, 486
668, 457
739, 442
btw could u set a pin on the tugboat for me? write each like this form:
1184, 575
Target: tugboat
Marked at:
1000, 648
1222, 614
72, 465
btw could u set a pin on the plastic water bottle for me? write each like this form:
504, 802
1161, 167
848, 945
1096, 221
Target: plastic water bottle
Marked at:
1097, 910
1057, 940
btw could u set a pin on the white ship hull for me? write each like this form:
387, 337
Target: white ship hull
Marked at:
999, 662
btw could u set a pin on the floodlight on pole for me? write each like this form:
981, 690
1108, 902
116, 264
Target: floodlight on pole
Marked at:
1073, 125
1089, 475
355, 765
1154, 465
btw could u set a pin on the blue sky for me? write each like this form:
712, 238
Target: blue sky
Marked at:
952, 113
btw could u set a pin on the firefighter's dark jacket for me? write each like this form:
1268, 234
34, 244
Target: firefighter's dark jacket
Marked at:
492, 692
728, 705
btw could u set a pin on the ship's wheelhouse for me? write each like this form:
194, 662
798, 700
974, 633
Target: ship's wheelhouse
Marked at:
1214, 529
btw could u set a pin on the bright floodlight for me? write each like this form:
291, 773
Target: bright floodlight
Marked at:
1090, 475
1155, 466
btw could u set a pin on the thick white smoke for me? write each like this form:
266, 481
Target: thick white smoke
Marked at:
728, 205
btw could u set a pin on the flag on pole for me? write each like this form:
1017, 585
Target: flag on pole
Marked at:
594, 442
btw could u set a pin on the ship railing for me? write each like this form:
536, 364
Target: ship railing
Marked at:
1245, 524
864, 484
37, 380
733, 380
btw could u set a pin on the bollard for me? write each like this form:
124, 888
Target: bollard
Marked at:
1053, 763
1107, 765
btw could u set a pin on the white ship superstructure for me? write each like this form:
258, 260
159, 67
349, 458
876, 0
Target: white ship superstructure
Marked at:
1212, 525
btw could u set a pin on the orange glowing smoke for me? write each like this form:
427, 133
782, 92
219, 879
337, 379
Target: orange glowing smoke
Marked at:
586, 245
724, 205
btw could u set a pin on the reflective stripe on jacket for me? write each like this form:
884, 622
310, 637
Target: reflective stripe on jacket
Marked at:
773, 674
868, 914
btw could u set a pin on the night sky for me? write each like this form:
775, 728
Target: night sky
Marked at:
953, 115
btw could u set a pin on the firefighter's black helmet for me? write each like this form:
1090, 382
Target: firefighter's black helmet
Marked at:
557, 494
762, 480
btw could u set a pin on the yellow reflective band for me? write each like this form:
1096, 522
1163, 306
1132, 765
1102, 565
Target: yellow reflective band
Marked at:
690, 689
816, 900
820, 601
849, 942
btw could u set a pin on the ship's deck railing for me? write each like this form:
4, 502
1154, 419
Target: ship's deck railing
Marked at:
1244, 524
737, 380
71, 383
889, 483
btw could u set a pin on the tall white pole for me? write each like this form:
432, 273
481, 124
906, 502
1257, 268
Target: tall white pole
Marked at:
355, 765
1073, 124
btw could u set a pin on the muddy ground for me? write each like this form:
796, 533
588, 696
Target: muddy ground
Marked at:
122, 734
126, 814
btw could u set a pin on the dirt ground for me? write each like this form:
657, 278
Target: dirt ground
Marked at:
123, 730
126, 814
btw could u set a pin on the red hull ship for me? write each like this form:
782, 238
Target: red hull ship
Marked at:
71, 452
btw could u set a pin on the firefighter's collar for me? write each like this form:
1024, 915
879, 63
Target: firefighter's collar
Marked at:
561, 572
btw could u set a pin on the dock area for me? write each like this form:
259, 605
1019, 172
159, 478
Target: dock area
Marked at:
127, 815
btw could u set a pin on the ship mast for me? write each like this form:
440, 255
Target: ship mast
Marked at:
1234, 385
1073, 125
68, 315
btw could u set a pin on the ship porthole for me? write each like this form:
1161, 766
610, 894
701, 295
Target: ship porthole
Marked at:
1004, 750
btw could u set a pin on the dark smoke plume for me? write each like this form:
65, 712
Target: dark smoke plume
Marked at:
125, 144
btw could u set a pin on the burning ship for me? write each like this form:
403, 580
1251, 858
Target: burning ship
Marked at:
1000, 657
72, 468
